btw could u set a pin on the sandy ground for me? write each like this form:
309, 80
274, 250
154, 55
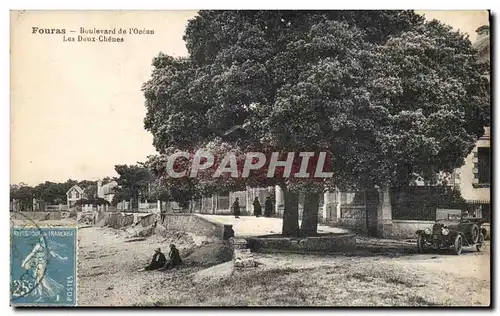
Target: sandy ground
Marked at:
247, 226
108, 276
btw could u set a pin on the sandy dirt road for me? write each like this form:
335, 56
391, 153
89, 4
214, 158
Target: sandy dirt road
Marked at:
247, 226
108, 276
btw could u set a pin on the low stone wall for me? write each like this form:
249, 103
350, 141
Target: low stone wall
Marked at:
353, 218
116, 220
192, 223
320, 244
123, 220
89, 218
355, 224
42, 216
146, 220
404, 229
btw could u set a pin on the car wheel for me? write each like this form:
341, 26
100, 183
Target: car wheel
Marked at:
474, 233
420, 244
480, 244
457, 245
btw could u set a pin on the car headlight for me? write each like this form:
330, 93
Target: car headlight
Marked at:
427, 231
445, 231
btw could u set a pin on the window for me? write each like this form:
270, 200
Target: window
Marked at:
483, 165
343, 197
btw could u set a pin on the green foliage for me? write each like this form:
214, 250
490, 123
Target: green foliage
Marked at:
52, 192
133, 182
49, 192
24, 194
391, 96
92, 201
421, 202
164, 188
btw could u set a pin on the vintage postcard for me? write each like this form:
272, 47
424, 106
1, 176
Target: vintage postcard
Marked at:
250, 158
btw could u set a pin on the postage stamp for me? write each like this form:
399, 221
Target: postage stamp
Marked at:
43, 266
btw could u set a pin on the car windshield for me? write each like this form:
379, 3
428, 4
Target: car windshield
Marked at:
450, 217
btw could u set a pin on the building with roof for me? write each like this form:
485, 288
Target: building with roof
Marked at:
74, 194
473, 179
106, 191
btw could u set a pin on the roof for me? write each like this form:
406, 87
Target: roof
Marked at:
482, 43
108, 188
112, 184
75, 187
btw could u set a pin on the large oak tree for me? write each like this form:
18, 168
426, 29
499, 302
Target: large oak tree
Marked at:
393, 97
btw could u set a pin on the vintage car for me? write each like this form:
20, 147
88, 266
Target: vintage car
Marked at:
452, 231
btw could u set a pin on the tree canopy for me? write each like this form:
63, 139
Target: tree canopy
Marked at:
391, 96
49, 192
133, 183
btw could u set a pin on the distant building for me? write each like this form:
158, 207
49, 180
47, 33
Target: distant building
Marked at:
106, 191
74, 194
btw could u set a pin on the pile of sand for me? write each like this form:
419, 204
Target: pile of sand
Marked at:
195, 250
210, 254
215, 274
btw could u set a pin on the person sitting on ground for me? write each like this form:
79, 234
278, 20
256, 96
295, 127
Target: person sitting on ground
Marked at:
175, 258
158, 261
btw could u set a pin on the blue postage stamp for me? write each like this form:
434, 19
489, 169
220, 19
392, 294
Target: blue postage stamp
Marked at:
43, 266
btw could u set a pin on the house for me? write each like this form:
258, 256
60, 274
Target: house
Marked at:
473, 179
74, 194
106, 191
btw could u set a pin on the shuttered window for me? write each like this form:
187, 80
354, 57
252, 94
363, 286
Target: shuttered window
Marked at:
483, 164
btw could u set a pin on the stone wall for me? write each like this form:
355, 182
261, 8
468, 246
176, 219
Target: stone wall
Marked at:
145, 220
323, 244
353, 218
116, 220
403, 229
88, 218
42, 216
192, 223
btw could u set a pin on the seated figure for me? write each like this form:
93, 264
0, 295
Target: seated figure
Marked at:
174, 258
157, 262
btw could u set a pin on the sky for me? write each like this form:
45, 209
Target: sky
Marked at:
77, 108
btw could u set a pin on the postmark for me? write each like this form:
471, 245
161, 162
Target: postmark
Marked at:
43, 265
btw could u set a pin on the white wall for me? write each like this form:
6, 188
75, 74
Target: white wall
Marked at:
466, 176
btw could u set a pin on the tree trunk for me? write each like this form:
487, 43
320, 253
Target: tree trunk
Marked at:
372, 201
135, 200
290, 213
309, 225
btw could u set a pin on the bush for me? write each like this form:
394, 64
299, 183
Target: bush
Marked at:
93, 201
420, 203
